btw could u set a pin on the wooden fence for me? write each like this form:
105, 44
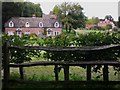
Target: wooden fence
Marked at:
65, 64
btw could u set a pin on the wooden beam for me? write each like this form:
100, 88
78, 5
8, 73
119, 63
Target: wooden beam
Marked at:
58, 49
77, 63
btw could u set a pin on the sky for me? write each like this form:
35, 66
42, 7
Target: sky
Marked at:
92, 8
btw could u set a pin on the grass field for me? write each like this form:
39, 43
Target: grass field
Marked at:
88, 31
46, 73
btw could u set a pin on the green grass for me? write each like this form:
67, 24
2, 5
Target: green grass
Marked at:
46, 73
88, 31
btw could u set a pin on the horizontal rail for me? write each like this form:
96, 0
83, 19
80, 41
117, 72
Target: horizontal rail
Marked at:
84, 48
65, 63
65, 82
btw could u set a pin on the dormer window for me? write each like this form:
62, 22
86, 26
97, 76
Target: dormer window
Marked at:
11, 24
27, 24
56, 24
40, 24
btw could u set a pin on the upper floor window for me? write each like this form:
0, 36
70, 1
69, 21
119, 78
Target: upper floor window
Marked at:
27, 24
40, 24
56, 24
11, 24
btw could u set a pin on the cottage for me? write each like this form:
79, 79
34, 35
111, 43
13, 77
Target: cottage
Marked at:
104, 22
100, 24
48, 25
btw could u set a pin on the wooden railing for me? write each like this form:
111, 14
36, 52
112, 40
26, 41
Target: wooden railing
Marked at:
65, 64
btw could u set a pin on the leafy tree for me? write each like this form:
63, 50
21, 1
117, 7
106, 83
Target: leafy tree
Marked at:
93, 20
109, 17
56, 10
70, 14
30, 8
119, 21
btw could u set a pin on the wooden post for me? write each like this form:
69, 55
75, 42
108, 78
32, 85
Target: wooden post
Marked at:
66, 73
119, 74
21, 72
6, 65
105, 73
56, 72
88, 73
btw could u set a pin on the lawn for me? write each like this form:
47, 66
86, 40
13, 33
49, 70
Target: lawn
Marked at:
88, 31
46, 73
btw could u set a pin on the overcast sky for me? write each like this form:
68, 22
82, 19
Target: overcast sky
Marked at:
91, 7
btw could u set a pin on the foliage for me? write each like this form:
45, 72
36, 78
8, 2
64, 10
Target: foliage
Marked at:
119, 21
70, 14
90, 39
30, 8
20, 56
93, 20
109, 17
65, 40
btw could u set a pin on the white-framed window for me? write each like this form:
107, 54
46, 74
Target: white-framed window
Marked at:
27, 32
11, 24
40, 32
40, 24
56, 24
19, 32
27, 24
56, 33
10, 33
49, 31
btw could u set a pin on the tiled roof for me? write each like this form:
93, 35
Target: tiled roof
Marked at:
33, 21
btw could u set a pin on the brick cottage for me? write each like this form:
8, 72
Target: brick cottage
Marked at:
48, 25
102, 22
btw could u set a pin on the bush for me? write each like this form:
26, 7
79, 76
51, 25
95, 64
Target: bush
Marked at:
65, 40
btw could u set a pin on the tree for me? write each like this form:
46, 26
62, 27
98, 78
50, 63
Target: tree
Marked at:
56, 10
119, 21
93, 20
30, 8
71, 15
109, 17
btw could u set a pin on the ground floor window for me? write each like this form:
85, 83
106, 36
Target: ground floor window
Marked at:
10, 33
19, 31
49, 32
27, 32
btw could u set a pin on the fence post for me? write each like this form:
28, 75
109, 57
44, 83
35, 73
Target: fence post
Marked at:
88, 73
105, 73
56, 72
66, 73
6, 65
21, 72
119, 74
